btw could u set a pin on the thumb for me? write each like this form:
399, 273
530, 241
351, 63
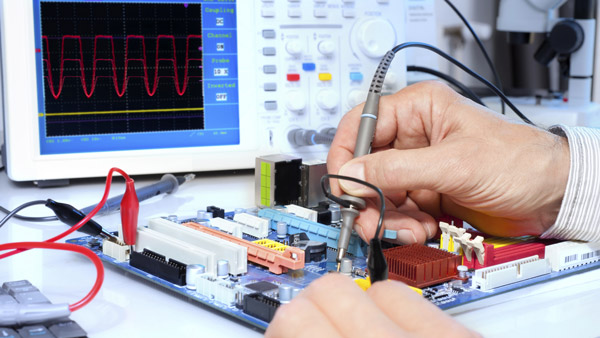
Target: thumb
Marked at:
395, 171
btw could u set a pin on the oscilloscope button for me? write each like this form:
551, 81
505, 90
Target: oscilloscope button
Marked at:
269, 51
348, 13
268, 33
320, 13
268, 12
270, 69
271, 105
270, 86
294, 12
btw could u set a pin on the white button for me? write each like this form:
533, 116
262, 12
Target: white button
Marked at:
294, 47
268, 12
348, 1
268, 0
348, 12
356, 97
376, 37
327, 99
383, 1
296, 102
320, 13
326, 47
320, 1
294, 12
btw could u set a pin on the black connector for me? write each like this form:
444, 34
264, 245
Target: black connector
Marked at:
377, 264
260, 306
70, 215
155, 264
217, 212
314, 251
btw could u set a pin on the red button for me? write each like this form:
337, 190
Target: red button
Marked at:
293, 77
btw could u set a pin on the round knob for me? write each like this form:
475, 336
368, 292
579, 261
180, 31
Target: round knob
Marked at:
356, 97
295, 101
375, 37
294, 47
566, 37
327, 99
326, 47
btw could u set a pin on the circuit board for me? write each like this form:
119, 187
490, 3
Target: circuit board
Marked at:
233, 292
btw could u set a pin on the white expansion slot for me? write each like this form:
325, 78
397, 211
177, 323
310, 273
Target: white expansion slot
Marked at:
302, 212
173, 248
253, 225
235, 254
511, 272
230, 227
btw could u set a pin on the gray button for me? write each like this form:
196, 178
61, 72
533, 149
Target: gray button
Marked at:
268, 33
10, 285
271, 105
35, 331
35, 297
269, 51
270, 69
7, 300
9, 333
67, 329
22, 289
270, 87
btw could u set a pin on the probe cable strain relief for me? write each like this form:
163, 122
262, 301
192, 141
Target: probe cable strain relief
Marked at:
377, 264
382, 68
130, 206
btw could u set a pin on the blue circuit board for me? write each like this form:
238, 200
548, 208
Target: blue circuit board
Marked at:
445, 295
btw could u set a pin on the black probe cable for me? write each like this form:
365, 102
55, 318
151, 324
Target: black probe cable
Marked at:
14, 212
482, 48
466, 91
467, 70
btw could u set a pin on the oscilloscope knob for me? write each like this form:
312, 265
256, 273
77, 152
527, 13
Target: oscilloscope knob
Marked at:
326, 47
328, 99
375, 37
294, 47
296, 102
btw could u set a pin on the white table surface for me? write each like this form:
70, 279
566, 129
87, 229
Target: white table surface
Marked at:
128, 306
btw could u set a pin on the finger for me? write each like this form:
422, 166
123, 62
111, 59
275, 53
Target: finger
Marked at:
350, 310
427, 221
291, 321
413, 313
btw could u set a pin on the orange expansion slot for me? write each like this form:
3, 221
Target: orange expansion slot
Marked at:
277, 262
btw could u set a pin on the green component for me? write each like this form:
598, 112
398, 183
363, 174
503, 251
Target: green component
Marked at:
265, 184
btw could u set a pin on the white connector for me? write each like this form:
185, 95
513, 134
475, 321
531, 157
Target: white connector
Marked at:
301, 212
511, 272
118, 251
566, 255
214, 288
230, 227
253, 225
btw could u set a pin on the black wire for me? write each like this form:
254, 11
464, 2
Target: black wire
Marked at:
30, 219
468, 71
464, 89
483, 50
19, 208
347, 204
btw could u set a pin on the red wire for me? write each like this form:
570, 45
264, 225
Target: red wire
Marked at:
86, 218
67, 247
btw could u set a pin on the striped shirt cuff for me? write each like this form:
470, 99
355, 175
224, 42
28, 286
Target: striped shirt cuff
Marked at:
579, 215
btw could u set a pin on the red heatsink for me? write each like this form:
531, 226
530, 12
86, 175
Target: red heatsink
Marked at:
420, 266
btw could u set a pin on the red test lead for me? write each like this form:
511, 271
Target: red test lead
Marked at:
129, 213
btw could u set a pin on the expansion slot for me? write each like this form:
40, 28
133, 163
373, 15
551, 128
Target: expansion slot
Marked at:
301, 212
566, 255
228, 226
511, 272
314, 230
175, 249
234, 254
252, 225
277, 262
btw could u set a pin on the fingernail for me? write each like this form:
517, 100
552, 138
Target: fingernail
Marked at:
406, 236
356, 170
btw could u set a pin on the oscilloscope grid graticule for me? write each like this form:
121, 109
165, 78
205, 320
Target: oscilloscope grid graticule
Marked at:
130, 75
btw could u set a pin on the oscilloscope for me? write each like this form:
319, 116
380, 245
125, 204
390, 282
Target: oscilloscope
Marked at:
173, 86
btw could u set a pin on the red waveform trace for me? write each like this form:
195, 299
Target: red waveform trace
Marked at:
181, 89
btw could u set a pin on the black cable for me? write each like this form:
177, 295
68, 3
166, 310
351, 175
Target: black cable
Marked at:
19, 208
30, 219
466, 91
483, 50
347, 204
468, 71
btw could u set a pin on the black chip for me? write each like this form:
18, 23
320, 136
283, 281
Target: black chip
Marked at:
262, 286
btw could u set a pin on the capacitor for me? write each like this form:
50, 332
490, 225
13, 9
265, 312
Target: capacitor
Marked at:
172, 218
202, 214
462, 271
222, 268
282, 229
192, 271
335, 213
346, 266
285, 293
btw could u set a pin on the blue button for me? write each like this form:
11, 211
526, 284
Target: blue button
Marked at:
356, 76
309, 66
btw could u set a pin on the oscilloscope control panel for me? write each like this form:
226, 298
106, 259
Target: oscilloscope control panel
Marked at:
160, 86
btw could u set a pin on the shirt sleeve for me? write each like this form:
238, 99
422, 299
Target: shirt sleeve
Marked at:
579, 215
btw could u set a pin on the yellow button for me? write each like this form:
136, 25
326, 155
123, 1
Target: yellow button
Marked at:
325, 76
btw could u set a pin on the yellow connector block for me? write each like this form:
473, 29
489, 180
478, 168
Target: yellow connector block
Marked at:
365, 284
267, 243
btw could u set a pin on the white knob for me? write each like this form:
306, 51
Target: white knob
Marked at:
356, 97
327, 99
294, 47
295, 101
391, 80
375, 37
326, 47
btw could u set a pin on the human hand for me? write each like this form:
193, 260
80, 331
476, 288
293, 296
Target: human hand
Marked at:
334, 306
435, 152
